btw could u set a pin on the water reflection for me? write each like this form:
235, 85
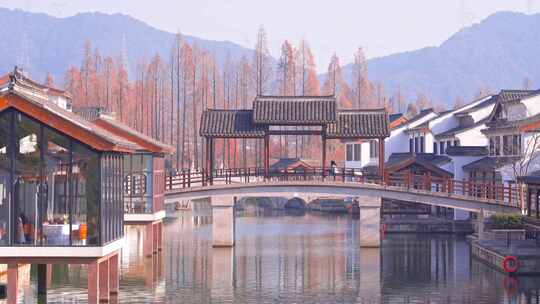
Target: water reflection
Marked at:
295, 258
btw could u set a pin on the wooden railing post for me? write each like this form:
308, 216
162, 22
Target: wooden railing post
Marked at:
509, 194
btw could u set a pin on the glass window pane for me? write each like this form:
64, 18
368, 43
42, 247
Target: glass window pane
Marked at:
86, 193
349, 152
56, 197
27, 181
357, 152
5, 167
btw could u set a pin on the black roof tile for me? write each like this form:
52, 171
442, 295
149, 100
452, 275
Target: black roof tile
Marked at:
360, 124
294, 110
467, 151
230, 124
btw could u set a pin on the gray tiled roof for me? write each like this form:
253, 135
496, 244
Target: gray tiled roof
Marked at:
531, 178
459, 129
432, 158
287, 163
230, 124
420, 115
489, 163
467, 151
40, 100
489, 101
430, 161
395, 116
294, 110
514, 95
360, 124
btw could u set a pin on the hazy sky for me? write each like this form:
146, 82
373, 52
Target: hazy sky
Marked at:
381, 27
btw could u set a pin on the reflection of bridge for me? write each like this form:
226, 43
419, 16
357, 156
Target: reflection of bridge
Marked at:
223, 185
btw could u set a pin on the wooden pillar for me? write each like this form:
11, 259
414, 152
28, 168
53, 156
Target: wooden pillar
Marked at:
266, 155
529, 201
42, 279
323, 137
104, 293
93, 282
160, 236
537, 204
381, 156
114, 278
211, 161
148, 245
12, 282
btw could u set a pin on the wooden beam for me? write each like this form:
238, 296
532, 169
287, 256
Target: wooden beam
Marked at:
295, 132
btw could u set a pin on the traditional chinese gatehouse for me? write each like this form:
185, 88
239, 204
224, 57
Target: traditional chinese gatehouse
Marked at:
61, 188
301, 115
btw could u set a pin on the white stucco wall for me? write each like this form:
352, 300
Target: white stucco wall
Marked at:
364, 157
473, 137
532, 104
482, 113
398, 141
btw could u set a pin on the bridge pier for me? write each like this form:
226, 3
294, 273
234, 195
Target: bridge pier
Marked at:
370, 221
481, 217
223, 221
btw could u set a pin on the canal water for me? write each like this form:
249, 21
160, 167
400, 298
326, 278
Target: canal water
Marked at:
290, 257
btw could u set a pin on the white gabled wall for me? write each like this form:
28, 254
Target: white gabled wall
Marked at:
473, 137
482, 113
398, 141
532, 104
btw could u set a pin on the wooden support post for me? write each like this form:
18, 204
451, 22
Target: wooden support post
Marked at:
211, 161
183, 178
537, 204
42, 280
114, 278
509, 194
381, 156
93, 282
13, 283
104, 292
148, 245
529, 203
323, 136
267, 156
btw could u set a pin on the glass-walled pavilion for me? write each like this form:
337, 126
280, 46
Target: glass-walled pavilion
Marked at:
55, 190
144, 172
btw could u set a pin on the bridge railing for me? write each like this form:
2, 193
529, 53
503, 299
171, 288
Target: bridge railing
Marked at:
501, 193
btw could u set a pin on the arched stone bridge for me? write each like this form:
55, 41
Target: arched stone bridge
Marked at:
222, 185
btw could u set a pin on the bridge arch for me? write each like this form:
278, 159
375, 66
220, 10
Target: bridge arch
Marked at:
296, 203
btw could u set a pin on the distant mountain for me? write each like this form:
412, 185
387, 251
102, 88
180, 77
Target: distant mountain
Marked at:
44, 43
499, 52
